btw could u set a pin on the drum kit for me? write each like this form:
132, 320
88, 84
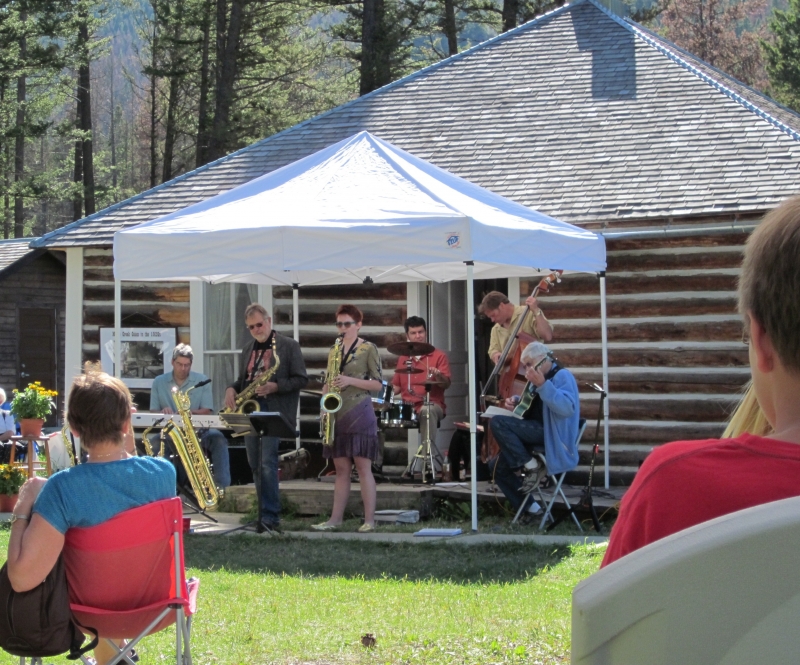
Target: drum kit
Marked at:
428, 454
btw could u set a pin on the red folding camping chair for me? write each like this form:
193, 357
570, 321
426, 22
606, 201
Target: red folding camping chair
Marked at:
126, 577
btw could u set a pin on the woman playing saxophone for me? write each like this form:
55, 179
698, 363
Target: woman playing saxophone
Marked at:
355, 438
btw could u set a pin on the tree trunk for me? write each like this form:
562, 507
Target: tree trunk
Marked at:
369, 29
382, 53
153, 82
6, 197
172, 101
112, 133
510, 12
202, 109
85, 91
6, 152
227, 66
450, 27
19, 148
77, 173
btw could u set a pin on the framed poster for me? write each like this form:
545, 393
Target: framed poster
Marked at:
146, 353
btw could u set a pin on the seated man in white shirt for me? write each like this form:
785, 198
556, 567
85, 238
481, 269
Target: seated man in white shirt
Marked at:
183, 378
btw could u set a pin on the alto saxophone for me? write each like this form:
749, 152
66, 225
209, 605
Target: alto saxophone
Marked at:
244, 400
186, 443
331, 401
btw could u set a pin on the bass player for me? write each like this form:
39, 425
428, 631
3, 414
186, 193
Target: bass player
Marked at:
496, 307
280, 393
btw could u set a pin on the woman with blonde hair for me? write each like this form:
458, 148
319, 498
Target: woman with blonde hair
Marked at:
748, 417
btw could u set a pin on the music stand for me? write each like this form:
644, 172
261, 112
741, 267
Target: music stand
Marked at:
271, 424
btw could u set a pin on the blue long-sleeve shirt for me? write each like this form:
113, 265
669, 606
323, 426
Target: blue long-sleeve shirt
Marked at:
561, 413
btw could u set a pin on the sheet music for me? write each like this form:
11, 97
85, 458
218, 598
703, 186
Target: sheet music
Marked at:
493, 411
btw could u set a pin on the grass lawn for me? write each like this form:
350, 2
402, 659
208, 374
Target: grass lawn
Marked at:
288, 600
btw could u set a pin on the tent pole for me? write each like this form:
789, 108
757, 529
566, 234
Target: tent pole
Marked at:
117, 328
604, 333
296, 321
473, 416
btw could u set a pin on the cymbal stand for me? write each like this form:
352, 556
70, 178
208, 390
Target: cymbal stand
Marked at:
427, 453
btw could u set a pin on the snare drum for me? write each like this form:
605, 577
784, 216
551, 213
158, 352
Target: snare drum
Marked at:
399, 414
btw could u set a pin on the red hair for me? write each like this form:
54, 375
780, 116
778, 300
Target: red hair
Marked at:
352, 311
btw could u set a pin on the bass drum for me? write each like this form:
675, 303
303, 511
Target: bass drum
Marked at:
399, 415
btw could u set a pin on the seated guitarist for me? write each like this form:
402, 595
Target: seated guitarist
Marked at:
496, 307
545, 421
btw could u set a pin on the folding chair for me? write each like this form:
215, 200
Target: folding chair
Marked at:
126, 578
548, 499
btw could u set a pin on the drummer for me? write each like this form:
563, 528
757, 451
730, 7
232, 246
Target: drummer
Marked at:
422, 366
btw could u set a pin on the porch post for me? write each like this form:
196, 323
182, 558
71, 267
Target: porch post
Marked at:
473, 416
73, 328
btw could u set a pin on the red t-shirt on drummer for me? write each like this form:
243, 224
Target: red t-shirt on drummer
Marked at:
434, 360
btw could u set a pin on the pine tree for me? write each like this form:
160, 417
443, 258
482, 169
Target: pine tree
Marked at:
783, 54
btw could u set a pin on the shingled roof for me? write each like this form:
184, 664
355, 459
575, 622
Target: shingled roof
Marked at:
12, 251
579, 114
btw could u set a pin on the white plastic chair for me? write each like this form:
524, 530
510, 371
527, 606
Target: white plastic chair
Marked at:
725, 592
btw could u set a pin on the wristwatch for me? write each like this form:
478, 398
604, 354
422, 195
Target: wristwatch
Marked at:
15, 517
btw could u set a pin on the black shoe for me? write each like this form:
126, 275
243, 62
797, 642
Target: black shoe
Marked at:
272, 527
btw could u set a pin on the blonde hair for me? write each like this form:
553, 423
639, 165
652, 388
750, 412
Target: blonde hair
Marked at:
748, 418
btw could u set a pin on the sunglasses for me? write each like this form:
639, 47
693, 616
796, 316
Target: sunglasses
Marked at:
256, 325
345, 324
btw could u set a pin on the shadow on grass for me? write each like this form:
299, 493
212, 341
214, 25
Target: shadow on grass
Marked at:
507, 562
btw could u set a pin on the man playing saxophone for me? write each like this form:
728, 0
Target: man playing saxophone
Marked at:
280, 393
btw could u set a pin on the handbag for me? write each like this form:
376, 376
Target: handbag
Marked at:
38, 623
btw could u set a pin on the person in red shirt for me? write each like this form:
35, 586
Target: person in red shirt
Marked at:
411, 387
688, 482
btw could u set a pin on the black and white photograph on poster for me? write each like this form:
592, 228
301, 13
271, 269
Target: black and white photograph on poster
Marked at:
146, 353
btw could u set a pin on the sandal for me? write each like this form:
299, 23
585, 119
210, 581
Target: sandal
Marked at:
366, 528
324, 526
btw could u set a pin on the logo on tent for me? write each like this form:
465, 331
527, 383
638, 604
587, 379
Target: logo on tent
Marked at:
453, 240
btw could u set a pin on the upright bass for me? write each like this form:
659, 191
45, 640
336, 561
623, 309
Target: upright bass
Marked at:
506, 370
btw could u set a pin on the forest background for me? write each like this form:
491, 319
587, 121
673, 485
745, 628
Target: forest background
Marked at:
102, 99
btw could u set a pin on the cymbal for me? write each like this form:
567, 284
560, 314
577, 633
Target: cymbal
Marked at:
410, 349
409, 370
435, 382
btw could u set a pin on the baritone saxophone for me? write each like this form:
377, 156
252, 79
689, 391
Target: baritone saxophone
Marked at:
186, 443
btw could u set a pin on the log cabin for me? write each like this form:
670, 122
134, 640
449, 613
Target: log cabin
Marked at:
581, 114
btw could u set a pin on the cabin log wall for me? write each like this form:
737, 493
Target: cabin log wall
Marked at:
677, 363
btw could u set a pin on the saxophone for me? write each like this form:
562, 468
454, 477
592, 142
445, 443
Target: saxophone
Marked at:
331, 401
244, 400
187, 444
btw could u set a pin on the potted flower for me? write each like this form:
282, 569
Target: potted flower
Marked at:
31, 406
11, 479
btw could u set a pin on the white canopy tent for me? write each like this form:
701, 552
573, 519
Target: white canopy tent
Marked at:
360, 210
